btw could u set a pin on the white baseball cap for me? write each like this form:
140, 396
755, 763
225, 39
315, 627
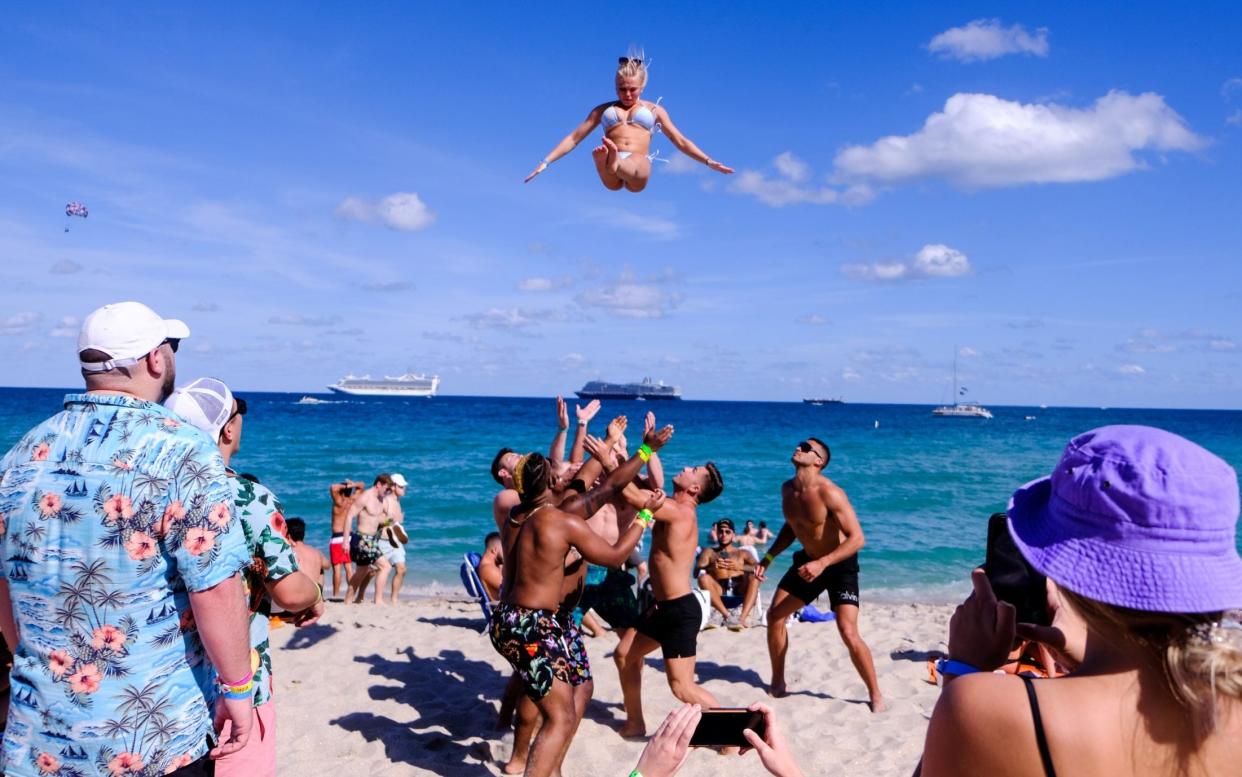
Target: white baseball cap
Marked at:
126, 331
205, 404
398, 480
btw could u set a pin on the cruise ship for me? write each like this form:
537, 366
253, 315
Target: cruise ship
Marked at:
407, 385
598, 389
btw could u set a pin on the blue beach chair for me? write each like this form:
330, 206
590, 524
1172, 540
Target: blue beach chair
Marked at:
474, 586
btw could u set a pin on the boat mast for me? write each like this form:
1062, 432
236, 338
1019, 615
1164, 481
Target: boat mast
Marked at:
955, 398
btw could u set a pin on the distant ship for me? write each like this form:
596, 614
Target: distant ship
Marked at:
961, 409
407, 385
598, 389
824, 401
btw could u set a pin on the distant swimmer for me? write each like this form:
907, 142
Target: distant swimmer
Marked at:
622, 159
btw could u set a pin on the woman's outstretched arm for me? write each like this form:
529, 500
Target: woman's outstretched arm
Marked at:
685, 145
570, 141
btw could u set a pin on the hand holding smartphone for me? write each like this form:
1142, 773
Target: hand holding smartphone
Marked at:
723, 727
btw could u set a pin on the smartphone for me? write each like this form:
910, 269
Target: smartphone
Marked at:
723, 727
1013, 579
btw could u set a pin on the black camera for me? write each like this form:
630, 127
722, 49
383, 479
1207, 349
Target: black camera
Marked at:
1012, 577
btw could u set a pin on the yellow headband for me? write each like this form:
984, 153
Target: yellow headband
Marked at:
517, 474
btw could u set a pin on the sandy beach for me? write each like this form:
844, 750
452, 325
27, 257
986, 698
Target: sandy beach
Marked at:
413, 690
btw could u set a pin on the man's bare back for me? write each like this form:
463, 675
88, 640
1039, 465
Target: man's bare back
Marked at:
342, 501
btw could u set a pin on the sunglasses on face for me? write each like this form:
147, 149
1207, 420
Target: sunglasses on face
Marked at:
806, 447
623, 60
173, 344
241, 409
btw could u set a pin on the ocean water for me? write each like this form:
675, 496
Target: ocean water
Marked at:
923, 487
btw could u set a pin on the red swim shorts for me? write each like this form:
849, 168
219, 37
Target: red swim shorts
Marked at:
338, 551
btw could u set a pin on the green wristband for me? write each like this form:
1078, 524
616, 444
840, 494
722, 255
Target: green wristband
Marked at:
645, 517
636, 773
644, 452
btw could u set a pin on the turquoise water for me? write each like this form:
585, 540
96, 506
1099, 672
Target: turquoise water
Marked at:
923, 487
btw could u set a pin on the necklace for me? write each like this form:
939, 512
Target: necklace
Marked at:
515, 522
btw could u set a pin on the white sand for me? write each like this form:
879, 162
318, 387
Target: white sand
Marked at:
414, 689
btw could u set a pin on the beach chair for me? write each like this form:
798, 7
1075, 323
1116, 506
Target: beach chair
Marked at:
474, 586
732, 602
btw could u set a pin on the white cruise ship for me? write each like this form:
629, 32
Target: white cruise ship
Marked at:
407, 385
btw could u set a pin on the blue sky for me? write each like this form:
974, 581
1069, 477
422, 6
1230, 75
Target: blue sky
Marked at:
319, 189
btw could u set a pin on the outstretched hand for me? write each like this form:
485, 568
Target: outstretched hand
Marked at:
981, 630
653, 439
616, 428
600, 450
656, 500
562, 414
585, 414
712, 163
541, 167
670, 745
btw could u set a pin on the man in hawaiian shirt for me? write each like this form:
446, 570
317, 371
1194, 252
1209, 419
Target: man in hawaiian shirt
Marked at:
273, 574
120, 556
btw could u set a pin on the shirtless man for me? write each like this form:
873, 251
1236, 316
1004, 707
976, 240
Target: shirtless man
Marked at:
310, 560
343, 496
364, 549
491, 566
507, 498
819, 515
537, 538
728, 569
390, 543
672, 622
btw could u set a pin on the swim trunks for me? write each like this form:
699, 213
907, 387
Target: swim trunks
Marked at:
536, 645
394, 554
674, 624
840, 581
336, 549
610, 593
363, 548
579, 664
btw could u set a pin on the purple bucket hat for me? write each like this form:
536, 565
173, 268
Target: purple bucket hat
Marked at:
1135, 517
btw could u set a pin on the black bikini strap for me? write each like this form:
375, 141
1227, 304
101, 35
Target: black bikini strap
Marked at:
1040, 738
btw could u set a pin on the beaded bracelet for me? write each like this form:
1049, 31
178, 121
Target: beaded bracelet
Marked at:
645, 517
644, 452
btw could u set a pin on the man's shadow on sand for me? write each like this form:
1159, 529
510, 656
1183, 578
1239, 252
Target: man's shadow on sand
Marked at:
474, 624
448, 691
710, 670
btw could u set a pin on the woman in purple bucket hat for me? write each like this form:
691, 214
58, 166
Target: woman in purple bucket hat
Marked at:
1136, 530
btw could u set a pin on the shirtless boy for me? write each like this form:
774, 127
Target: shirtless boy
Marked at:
364, 549
537, 537
672, 622
343, 496
819, 515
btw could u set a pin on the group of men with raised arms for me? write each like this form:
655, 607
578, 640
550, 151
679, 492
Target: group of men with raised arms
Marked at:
566, 530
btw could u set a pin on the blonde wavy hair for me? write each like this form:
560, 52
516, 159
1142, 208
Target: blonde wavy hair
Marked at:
1201, 653
633, 65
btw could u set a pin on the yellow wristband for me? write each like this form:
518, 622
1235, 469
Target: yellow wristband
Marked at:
768, 558
644, 452
645, 517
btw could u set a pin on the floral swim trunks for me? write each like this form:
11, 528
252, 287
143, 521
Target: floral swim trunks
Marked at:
539, 648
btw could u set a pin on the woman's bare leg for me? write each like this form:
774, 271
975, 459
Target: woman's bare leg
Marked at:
606, 176
634, 172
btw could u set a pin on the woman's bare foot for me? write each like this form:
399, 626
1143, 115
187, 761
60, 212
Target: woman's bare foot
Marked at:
777, 689
600, 155
614, 159
877, 704
513, 767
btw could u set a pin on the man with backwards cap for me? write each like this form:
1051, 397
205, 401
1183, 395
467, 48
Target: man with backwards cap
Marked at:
273, 574
120, 557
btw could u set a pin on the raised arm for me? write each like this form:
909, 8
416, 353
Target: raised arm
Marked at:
593, 547
584, 415
570, 141
586, 504
556, 453
784, 539
655, 473
684, 144
601, 451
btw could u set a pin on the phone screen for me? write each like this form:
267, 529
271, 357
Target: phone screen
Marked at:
723, 727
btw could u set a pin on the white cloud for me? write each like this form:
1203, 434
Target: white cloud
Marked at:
19, 323
981, 140
629, 297
652, 226
403, 211
1235, 118
1221, 345
985, 39
1131, 369
787, 187
543, 284
849, 373
66, 327
390, 285
933, 260
812, 319
1231, 87
300, 320
680, 164
513, 319
571, 361
65, 267
966, 352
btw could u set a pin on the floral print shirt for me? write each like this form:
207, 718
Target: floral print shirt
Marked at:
272, 558
111, 512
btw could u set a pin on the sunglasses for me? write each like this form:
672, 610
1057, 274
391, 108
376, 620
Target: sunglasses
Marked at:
241, 409
623, 60
806, 447
173, 344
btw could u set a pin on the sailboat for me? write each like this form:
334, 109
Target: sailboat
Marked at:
961, 409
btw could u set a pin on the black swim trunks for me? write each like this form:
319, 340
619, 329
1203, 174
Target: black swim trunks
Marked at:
732, 586
674, 624
610, 593
840, 581
364, 548
535, 644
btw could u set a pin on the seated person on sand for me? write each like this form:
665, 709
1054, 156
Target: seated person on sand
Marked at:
629, 124
1135, 530
311, 561
490, 570
728, 570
